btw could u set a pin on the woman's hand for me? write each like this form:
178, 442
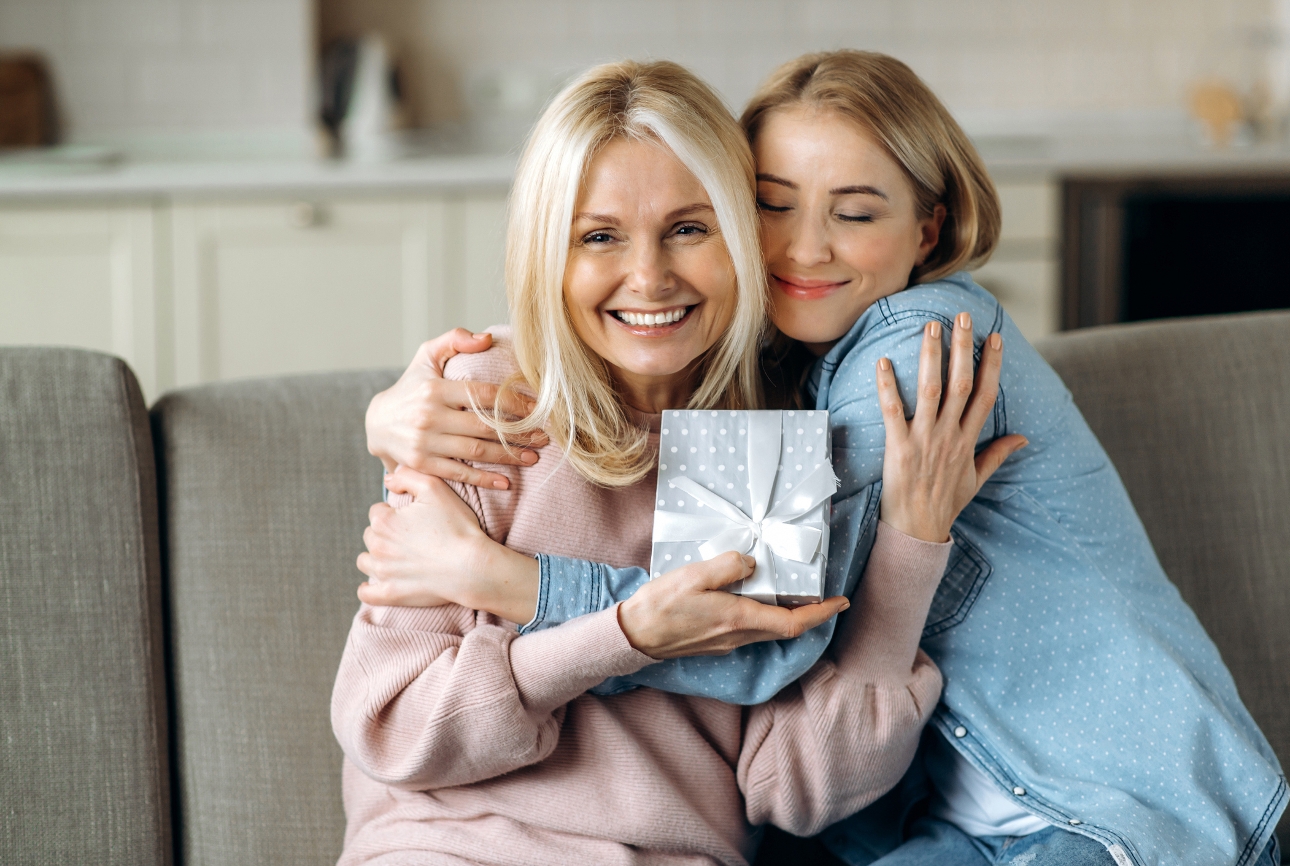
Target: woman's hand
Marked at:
425, 421
687, 612
930, 471
433, 552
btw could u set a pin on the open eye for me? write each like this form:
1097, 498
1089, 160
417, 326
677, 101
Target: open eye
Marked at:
597, 237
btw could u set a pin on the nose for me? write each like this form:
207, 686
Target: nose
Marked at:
649, 271
808, 244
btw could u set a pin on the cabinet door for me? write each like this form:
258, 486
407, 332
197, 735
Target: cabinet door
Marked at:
83, 277
290, 287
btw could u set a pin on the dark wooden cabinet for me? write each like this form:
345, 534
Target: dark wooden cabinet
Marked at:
1136, 248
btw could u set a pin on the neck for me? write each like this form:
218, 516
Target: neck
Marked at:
653, 394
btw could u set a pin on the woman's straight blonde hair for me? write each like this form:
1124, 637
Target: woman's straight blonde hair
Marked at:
892, 104
578, 403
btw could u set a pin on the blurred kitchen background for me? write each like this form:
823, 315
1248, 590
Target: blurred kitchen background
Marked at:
223, 188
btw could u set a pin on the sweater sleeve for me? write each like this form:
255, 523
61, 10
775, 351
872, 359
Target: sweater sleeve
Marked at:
844, 734
428, 698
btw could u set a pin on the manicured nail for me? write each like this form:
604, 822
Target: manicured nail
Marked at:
964, 320
845, 605
479, 336
934, 330
528, 457
996, 341
500, 484
884, 363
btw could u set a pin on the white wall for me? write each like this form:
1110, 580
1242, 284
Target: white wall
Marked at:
981, 56
126, 66
171, 66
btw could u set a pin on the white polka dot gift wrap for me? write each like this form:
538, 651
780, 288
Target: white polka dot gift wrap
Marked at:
754, 481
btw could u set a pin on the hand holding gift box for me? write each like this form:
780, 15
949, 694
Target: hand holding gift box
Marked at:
757, 482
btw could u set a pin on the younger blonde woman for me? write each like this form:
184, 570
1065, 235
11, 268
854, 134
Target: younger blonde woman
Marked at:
1087, 718
635, 284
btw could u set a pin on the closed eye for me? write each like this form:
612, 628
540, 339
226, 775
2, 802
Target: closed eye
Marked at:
855, 218
762, 205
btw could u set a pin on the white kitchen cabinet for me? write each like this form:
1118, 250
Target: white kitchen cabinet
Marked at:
1023, 273
89, 277
271, 288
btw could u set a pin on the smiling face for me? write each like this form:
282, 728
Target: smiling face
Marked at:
840, 223
649, 285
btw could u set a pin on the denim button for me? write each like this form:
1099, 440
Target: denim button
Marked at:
1074, 822
960, 732
1019, 791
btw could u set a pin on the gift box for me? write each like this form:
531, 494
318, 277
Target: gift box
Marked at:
758, 482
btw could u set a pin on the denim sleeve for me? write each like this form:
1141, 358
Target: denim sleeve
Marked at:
750, 674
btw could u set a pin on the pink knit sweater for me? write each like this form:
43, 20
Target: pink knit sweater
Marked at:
467, 743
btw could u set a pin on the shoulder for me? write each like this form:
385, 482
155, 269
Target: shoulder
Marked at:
943, 300
493, 365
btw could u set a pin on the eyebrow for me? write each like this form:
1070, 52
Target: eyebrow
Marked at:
859, 189
680, 212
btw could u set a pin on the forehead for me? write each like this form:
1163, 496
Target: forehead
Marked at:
804, 143
638, 175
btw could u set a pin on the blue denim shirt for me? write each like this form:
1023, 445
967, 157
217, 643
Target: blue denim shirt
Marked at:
1075, 675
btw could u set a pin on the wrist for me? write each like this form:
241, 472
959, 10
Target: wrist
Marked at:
505, 582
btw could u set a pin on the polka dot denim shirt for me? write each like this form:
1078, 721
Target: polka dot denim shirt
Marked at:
1075, 675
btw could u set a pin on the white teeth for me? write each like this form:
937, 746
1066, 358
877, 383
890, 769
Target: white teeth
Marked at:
651, 318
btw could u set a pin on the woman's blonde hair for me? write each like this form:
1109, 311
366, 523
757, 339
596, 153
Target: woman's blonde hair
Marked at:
900, 112
577, 401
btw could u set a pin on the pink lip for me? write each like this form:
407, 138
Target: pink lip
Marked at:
808, 290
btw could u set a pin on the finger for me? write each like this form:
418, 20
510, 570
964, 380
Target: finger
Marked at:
374, 594
959, 387
782, 623
456, 447
424, 488
893, 410
808, 616
994, 454
720, 571
366, 563
464, 473
987, 386
436, 352
929, 378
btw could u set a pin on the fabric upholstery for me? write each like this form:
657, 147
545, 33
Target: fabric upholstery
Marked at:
1195, 414
265, 489
83, 749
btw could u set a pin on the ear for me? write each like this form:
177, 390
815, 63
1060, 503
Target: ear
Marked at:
929, 232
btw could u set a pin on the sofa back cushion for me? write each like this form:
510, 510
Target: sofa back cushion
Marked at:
1195, 414
83, 772
265, 489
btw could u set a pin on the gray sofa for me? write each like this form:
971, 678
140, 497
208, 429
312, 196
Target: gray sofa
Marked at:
176, 586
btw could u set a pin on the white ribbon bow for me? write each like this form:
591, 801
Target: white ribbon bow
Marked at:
760, 531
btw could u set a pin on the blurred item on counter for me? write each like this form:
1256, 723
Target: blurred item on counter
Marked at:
28, 117
360, 102
1219, 109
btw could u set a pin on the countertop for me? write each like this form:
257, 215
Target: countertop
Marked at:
1142, 145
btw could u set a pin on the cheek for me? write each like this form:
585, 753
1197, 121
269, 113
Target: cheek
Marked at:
878, 252
583, 289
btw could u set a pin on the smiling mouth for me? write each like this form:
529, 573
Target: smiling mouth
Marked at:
808, 290
661, 320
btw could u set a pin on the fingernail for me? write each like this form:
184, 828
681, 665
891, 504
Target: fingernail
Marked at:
528, 457
964, 320
934, 330
845, 605
1024, 442
479, 336
996, 341
499, 484
884, 363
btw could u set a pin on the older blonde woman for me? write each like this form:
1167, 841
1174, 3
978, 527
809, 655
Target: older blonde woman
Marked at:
635, 285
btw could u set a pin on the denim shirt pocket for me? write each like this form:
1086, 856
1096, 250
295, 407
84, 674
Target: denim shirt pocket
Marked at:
965, 575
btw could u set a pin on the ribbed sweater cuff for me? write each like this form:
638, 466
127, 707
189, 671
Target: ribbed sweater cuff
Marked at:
881, 635
555, 665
